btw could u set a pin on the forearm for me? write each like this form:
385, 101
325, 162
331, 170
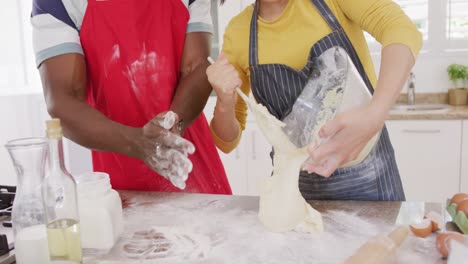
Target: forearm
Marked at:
92, 129
64, 81
224, 123
192, 94
193, 89
396, 64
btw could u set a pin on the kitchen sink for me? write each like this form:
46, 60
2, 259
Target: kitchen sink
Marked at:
421, 107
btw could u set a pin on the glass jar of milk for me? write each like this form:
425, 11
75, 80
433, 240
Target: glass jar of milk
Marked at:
29, 225
100, 210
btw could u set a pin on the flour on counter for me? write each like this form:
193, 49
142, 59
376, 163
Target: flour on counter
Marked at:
196, 230
166, 243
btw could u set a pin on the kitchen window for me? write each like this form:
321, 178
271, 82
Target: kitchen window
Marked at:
457, 20
418, 11
446, 31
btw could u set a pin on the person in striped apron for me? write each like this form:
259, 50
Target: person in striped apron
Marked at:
269, 49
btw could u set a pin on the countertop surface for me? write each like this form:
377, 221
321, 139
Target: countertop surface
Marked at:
195, 228
453, 113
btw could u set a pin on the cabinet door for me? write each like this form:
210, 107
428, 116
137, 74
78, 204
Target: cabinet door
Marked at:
235, 167
428, 156
464, 163
235, 163
259, 163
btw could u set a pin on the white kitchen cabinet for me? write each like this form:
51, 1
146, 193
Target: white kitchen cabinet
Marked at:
259, 163
235, 163
428, 154
464, 160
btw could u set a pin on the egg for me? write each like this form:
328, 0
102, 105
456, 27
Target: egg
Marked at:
443, 242
422, 229
463, 207
436, 219
459, 197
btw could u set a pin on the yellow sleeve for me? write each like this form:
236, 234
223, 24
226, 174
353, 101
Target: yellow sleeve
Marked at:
241, 107
385, 21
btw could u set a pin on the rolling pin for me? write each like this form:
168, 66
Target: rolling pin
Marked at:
379, 249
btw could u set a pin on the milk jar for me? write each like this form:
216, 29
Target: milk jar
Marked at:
28, 219
100, 210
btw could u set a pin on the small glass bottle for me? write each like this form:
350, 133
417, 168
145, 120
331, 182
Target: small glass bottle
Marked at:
60, 202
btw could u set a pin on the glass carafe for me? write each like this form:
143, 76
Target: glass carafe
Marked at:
28, 216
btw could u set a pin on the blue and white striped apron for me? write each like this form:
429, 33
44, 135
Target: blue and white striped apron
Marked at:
277, 87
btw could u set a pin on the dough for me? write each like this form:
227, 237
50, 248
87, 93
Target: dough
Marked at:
282, 207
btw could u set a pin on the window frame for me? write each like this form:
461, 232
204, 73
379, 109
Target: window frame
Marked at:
453, 44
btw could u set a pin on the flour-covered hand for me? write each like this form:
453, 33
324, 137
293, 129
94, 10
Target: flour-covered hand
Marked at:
166, 152
347, 135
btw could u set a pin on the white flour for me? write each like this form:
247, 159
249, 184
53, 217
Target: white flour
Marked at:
202, 230
115, 53
138, 71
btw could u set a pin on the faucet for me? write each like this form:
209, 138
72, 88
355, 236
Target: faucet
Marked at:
411, 92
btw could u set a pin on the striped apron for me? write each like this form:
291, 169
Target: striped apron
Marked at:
277, 87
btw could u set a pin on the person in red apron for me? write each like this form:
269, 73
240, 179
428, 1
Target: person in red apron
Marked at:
127, 79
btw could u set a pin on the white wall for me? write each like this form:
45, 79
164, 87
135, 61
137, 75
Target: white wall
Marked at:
24, 116
13, 116
431, 70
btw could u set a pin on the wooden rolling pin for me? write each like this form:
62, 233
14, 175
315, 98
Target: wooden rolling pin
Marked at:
379, 249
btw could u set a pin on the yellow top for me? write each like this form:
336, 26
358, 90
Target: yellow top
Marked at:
288, 38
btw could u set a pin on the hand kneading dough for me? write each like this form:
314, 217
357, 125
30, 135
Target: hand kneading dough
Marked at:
282, 207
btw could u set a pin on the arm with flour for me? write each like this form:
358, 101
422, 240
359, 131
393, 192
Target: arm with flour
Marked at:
64, 73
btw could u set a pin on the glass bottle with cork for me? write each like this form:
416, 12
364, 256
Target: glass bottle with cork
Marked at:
60, 202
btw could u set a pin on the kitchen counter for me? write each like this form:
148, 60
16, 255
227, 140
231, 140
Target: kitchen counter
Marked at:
454, 113
195, 228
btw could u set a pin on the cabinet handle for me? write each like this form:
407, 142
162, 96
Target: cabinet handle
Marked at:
422, 131
237, 153
254, 152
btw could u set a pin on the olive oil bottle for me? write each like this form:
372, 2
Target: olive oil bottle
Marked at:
60, 202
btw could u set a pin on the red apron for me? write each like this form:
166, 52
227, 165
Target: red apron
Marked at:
133, 51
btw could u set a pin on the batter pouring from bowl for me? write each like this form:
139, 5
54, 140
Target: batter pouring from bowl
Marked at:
270, 48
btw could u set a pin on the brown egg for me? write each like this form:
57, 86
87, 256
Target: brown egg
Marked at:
457, 198
436, 219
463, 207
422, 229
443, 242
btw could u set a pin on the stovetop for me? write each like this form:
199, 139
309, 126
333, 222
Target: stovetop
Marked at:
7, 195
